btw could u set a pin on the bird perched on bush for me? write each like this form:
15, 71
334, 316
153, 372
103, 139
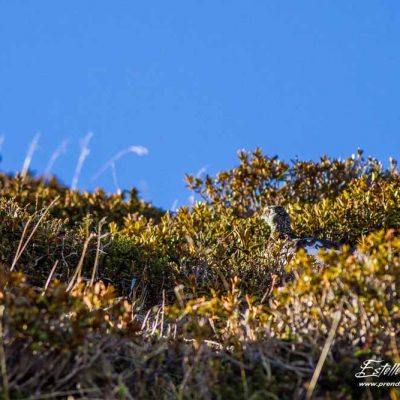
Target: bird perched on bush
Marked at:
279, 221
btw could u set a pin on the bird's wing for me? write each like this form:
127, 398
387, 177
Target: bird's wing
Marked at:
329, 244
313, 245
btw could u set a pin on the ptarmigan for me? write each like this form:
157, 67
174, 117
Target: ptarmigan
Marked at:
279, 221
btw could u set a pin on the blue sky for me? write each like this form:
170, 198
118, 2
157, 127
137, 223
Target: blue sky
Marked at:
193, 82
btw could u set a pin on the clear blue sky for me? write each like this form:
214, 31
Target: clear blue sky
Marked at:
193, 81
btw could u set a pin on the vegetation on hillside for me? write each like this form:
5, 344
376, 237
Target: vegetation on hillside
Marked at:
106, 296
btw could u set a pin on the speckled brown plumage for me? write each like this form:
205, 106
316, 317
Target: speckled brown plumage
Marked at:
279, 222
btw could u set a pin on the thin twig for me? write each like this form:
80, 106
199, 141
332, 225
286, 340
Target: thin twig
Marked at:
324, 353
145, 320
269, 291
56, 154
115, 179
156, 323
31, 150
22, 249
96, 260
138, 150
49, 278
21, 241
162, 313
82, 157
78, 269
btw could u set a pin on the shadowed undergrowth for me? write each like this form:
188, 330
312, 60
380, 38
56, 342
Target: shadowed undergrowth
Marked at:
106, 296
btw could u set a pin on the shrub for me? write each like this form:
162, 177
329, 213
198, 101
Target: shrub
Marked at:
105, 296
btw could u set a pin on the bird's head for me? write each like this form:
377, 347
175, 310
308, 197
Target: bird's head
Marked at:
278, 220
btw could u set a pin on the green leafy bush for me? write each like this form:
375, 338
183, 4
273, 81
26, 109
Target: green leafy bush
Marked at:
105, 296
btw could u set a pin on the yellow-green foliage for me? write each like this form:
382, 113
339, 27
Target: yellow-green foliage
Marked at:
217, 310
55, 319
73, 205
260, 180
